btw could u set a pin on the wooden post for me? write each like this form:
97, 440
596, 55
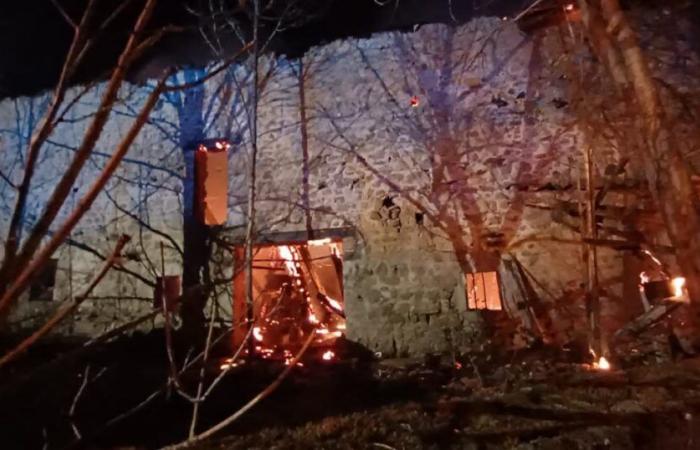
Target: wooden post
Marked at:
589, 231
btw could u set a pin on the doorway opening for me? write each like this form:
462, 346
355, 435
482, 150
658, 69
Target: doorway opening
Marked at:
297, 290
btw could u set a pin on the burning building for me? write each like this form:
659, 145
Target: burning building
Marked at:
415, 192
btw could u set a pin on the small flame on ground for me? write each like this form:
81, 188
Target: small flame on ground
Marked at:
602, 364
328, 355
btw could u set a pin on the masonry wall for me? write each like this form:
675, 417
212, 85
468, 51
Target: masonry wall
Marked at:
425, 144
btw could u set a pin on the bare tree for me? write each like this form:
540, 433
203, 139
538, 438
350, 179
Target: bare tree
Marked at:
668, 174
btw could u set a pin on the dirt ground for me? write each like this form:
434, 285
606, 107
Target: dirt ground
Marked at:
644, 408
462, 402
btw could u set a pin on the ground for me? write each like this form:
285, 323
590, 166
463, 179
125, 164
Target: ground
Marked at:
477, 401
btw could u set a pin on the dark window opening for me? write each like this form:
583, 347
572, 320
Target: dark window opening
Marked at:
41, 290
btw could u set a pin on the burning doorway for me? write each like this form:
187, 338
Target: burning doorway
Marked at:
297, 290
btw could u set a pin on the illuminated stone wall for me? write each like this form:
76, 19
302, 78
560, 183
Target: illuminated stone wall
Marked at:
467, 131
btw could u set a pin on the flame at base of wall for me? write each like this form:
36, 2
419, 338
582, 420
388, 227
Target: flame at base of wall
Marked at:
602, 364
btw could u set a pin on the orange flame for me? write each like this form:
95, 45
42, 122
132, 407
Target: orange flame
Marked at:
678, 284
602, 364
328, 355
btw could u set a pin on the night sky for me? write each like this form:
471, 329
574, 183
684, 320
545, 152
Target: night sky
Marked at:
34, 36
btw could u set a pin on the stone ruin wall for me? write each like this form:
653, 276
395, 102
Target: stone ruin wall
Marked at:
484, 90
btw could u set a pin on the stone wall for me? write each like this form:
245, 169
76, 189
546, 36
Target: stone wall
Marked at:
423, 143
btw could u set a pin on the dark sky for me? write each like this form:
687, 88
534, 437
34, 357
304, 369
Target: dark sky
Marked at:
34, 36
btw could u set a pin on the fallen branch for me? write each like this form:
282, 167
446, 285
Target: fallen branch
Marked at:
78, 394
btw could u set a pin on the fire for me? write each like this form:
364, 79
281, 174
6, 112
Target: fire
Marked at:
569, 7
257, 334
301, 277
644, 278
222, 145
335, 304
602, 364
678, 284
286, 254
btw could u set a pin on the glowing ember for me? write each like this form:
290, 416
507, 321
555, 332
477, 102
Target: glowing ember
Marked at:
328, 355
415, 101
313, 318
678, 284
228, 363
602, 364
257, 334
569, 7
644, 278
